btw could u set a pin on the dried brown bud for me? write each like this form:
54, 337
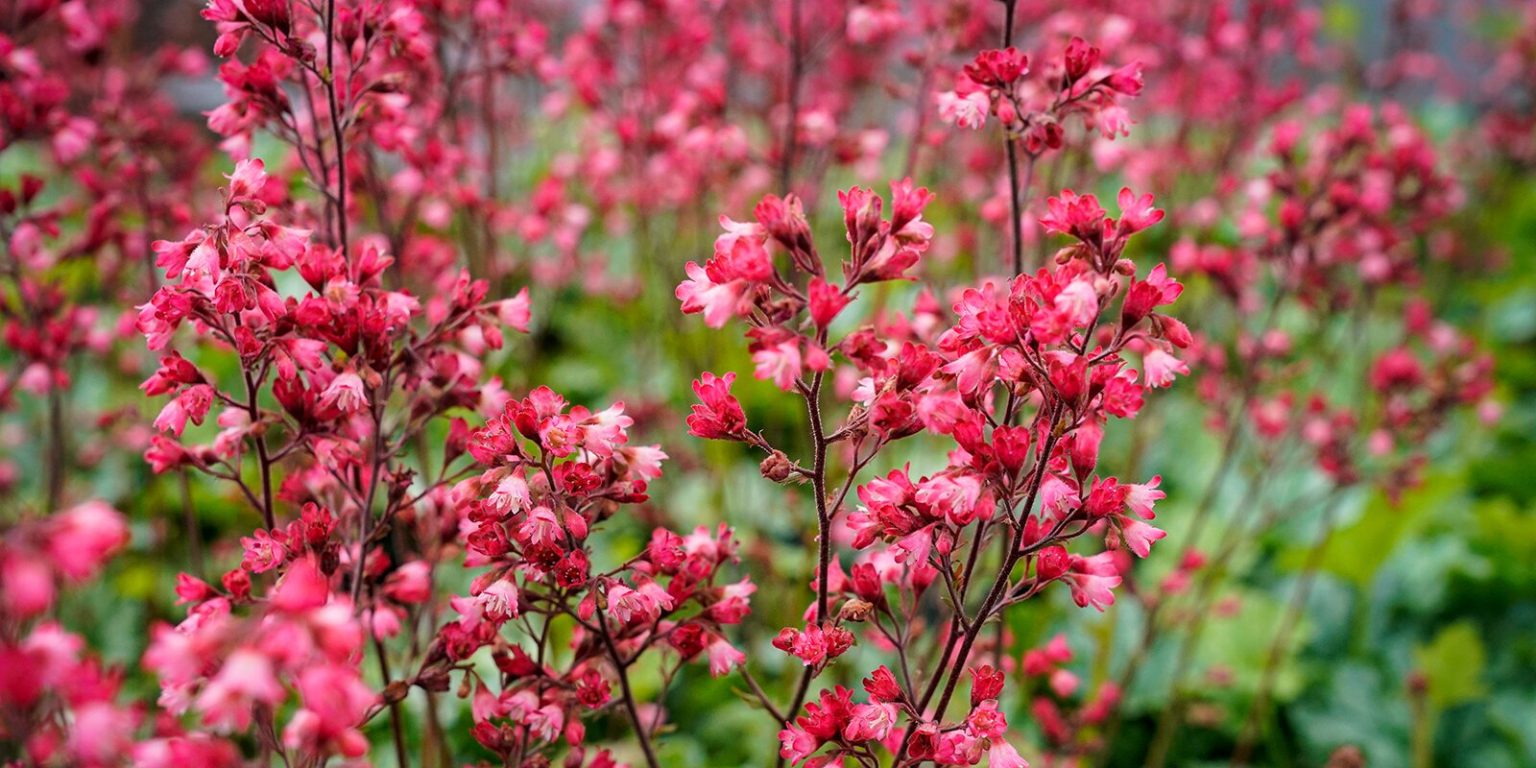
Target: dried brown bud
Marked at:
855, 610
434, 679
1347, 756
777, 467
1418, 683
857, 423
396, 691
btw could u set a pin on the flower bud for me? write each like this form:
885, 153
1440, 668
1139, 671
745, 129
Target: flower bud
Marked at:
777, 467
1051, 564
855, 610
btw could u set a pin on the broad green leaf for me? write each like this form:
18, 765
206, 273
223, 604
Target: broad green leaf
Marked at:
1357, 550
1453, 665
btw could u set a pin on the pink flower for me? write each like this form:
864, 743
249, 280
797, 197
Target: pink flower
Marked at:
959, 747
882, 685
1080, 216
1063, 683
644, 461
1002, 755
780, 363
1127, 79
907, 204
1161, 368
1093, 580
164, 454
869, 23
733, 605
245, 679
972, 370
1077, 304
302, 588
346, 393
740, 230
1136, 213
1138, 535
263, 552
410, 583
1146, 295
959, 498
248, 180
72, 139
545, 722
826, 300
192, 404
809, 645
716, 300
83, 537
29, 587
182, 751
723, 657
1080, 57
101, 733
986, 721
1140, 498
498, 602
964, 111
335, 701
605, 431
796, 745
997, 68
515, 312
870, 722
986, 684
644, 604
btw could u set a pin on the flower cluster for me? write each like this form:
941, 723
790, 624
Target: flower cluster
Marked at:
1065, 715
1079, 85
357, 373
60, 704
1023, 380
552, 474
1338, 224
857, 730
100, 160
376, 529
238, 671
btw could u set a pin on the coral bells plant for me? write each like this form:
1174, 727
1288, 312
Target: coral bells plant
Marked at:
97, 161
1035, 111
60, 703
1337, 225
334, 387
1023, 380
552, 475
289, 474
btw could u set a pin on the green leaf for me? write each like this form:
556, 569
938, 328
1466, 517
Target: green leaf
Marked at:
1341, 20
1358, 550
1452, 664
